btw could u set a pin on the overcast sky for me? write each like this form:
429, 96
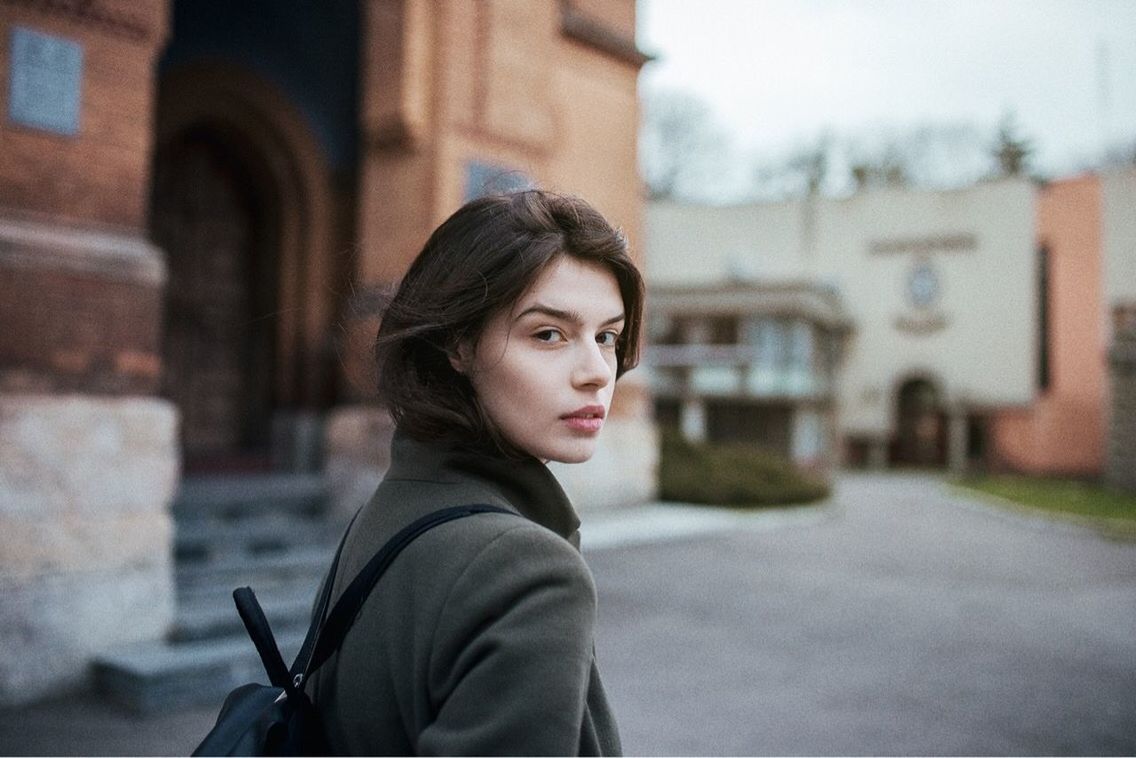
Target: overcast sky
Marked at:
778, 72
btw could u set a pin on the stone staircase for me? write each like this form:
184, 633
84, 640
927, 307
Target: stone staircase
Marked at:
271, 532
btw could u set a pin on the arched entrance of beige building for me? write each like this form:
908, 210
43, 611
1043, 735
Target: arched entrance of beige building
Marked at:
240, 205
921, 425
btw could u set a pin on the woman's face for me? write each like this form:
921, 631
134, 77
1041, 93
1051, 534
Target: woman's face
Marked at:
544, 371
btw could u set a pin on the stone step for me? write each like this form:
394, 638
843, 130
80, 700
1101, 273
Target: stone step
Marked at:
205, 540
267, 531
236, 496
263, 573
198, 594
215, 615
160, 677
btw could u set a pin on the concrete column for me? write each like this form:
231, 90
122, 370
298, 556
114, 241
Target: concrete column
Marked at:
357, 440
623, 469
807, 442
693, 419
957, 429
1120, 466
878, 454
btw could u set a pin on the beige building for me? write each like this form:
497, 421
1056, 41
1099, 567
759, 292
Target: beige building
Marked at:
1118, 201
913, 316
1118, 230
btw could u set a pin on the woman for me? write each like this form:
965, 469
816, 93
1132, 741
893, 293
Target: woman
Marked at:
498, 353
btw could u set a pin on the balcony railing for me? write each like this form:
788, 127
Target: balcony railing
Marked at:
731, 371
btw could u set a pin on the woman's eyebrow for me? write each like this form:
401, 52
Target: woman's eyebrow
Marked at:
572, 316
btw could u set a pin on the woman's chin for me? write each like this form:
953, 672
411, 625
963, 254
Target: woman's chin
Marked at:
577, 453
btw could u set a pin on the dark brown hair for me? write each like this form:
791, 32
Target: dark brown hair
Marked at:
480, 261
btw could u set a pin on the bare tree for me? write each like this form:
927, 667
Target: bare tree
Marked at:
682, 147
887, 168
1011, 150
1119, 155
930, 155
804, 170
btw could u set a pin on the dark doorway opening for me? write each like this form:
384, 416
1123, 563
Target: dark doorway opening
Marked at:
218, 227
921, 435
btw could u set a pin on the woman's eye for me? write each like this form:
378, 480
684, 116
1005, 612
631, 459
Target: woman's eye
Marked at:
549, 335
607, 339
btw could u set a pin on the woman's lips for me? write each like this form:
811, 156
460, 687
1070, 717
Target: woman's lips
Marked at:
584, 423
588, 419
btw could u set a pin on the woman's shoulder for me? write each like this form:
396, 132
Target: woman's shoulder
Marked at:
399, 503
493, 560
506, 539
506, 549
504, 567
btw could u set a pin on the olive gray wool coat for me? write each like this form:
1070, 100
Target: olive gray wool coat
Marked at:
479, 638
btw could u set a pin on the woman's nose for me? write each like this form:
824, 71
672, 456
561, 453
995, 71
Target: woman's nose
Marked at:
593, 367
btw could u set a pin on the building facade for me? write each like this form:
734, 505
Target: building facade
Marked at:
203, 205
975, 321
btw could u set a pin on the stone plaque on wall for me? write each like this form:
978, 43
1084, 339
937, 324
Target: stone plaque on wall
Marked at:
489, 178
46, 81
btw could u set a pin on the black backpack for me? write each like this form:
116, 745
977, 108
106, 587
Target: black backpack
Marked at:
279, 719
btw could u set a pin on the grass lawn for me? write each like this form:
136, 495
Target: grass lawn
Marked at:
1110, 511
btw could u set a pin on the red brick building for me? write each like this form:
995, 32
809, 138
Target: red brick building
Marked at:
202, 207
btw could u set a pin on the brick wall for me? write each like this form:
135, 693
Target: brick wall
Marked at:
65, 331
1063, 431
100, 173
80, 288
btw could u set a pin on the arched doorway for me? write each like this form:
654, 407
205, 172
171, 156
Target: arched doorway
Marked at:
921, 428
217, 223
241, 203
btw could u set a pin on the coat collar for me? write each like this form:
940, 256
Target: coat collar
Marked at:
525, 485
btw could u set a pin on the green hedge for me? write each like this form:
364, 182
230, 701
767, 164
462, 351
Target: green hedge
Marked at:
734, 475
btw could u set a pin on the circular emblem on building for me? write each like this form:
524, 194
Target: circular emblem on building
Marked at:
923, 285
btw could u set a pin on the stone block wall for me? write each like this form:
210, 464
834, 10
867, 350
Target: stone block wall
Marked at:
85, 533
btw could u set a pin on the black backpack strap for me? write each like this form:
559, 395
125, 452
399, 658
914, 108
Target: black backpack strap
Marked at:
334, 628
261, 633
299, 665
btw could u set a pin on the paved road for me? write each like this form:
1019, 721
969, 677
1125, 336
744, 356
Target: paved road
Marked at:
898, 619
912, 621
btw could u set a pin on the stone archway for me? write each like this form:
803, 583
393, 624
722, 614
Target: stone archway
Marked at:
921, 425
241, 203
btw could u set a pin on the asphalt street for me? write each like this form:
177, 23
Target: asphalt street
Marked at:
911, 621
898, 618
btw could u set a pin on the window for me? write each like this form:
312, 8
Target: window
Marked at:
723, 330
767, 335
800, 358
772, 347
